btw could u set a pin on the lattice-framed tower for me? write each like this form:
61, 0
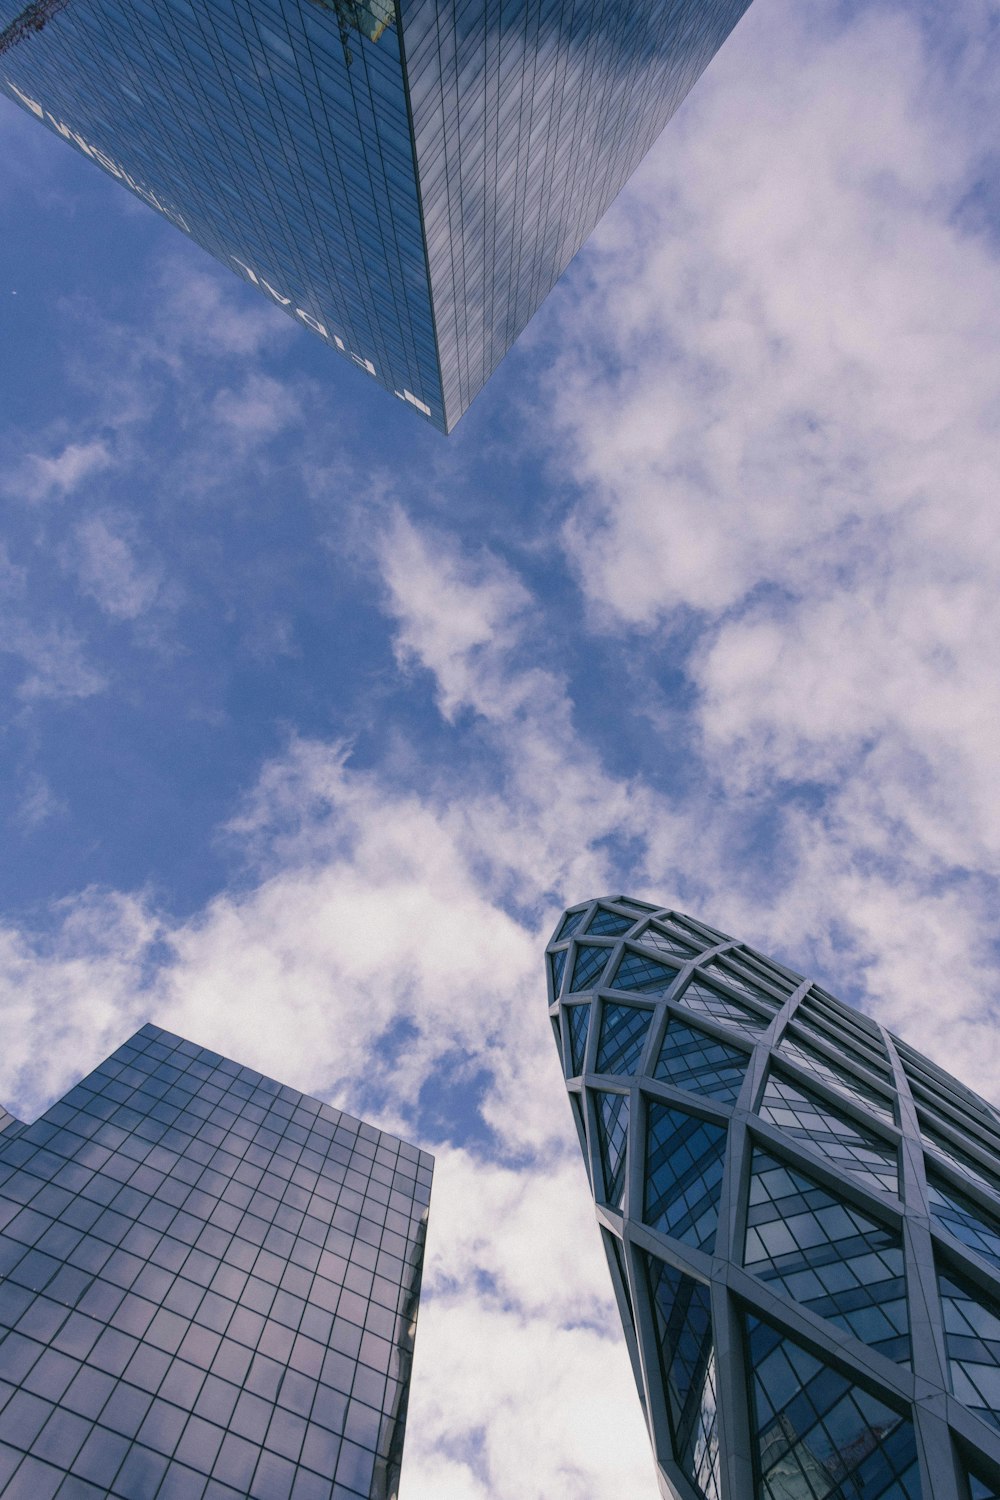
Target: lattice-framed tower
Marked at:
801, 1216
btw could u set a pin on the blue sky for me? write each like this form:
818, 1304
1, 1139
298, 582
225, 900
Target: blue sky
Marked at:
313, 719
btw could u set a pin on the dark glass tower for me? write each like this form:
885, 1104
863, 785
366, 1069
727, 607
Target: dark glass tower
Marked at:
801, 1216
406, 179
209, 1289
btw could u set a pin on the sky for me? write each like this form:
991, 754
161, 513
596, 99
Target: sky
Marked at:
314, 720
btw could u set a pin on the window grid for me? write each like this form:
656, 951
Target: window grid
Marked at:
205, 1274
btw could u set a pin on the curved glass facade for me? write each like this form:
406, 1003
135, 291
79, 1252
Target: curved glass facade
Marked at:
801, 1216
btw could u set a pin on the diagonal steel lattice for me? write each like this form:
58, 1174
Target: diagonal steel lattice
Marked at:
801, 1216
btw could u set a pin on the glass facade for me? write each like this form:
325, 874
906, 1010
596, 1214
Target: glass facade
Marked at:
407, 180
210, 1288
800, 1214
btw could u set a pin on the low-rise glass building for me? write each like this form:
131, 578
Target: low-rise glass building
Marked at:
209, 1288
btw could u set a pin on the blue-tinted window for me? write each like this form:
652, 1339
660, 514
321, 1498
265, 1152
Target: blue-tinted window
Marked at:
966, 1220
968, 1165
612, 1136
972, 1335
721, 968
840, 1078
682, 1309
661, 938
683, 1175
590, 961
569, 924
646, 975
578, 1019
808, 1118
606, 923
819, 1435
230, 1272
691, 1059
700, 996
828, 1255
623, 1036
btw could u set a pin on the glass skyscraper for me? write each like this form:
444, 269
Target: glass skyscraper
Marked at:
407, 178
209, 1288
801, 1216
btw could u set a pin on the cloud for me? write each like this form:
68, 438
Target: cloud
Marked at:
54, 662
200, 309
260, 410
104, 559
775, 394
459, 615
70, 992
771, 426
44, 478
38, 803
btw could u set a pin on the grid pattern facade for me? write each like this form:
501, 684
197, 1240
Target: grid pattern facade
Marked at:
209, 1288
801, 1216
529, 116
243, 123
408, 181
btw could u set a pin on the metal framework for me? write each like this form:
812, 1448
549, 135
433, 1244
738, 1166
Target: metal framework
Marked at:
801, 1216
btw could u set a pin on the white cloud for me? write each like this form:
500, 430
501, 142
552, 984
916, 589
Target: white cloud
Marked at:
54, 663
777, 398
261, 409
38, 803
784, 439
42, 477
104, 558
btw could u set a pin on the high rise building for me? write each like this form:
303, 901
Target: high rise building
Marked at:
209, 1288
407, 178
801, 1216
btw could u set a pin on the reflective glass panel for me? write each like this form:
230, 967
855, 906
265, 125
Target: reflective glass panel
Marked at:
637, 972
684, 1162
606, 923
966, 1220
803, 1115
623, 1036
704, 997
612, 1138
818, 1436
979, 1489
966, 1164
972, 1336
837, 1036
590, 961
718, 968
682, 1308
690, 1059
665, 941
828, 1255
578, 1019
569, 924
207, 1276
558, 963
845, 1082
